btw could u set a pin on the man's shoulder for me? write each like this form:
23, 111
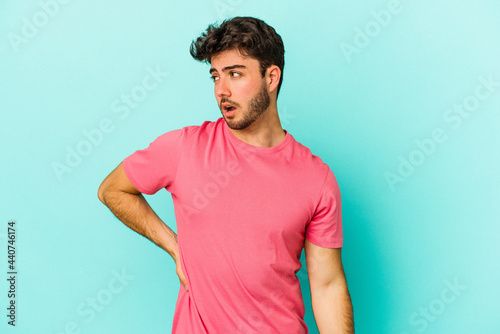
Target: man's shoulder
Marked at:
207, 128
205, 125
305, 155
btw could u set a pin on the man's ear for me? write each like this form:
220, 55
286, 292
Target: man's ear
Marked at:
273, 75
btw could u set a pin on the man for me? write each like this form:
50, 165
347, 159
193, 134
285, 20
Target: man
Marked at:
247, 198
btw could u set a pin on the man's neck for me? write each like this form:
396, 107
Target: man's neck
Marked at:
266, 131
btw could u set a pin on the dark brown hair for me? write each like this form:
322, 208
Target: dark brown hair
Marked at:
251, 36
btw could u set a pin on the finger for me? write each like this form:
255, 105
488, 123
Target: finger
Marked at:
184, 284
183, 281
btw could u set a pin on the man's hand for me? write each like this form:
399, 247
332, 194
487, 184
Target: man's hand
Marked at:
129, 205
180, 273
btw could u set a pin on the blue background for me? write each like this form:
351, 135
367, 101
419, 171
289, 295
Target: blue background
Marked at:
364, 83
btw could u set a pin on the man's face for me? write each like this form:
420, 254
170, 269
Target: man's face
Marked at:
239, 88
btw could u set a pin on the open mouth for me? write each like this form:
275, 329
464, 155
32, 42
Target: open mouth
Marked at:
228, 108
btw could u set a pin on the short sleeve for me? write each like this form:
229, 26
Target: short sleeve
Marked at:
325, 227
155, 167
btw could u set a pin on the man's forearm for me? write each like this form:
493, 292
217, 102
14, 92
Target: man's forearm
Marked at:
135, 212
332, 309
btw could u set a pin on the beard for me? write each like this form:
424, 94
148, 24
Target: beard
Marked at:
256, 107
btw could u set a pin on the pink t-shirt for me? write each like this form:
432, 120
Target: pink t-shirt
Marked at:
242, 215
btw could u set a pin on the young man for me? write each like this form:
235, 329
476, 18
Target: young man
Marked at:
247, 198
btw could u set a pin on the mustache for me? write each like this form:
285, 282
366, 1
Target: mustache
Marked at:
234, 104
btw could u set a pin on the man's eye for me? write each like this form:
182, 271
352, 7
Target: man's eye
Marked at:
235, 73
214, 77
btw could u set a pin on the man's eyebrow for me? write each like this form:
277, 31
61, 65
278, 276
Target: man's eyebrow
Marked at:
227, 68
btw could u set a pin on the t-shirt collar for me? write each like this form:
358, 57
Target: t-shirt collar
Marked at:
243, 145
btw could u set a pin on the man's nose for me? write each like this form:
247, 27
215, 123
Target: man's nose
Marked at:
222, 88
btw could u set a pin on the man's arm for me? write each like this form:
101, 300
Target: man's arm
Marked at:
330, 297
129, 205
